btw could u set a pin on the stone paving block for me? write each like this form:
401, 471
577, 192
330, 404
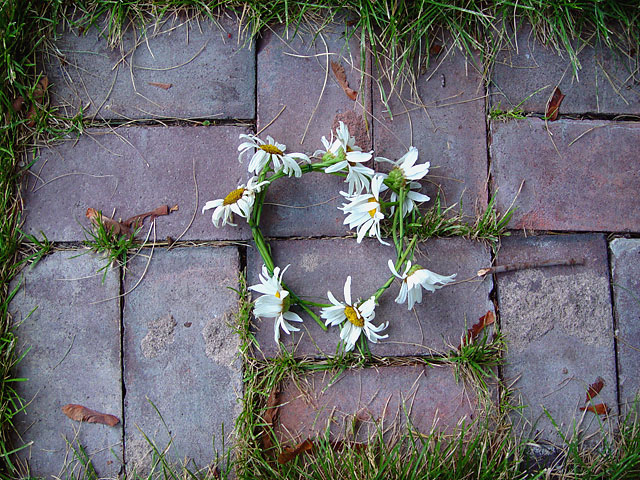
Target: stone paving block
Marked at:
607, 83
578, 175
73, 357
378, 396
558, 326
180, 354
211, 74
447, 126
292, 71
625, 265
320, 265
135, 170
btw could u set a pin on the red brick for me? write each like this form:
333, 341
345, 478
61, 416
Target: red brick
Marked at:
558, 326
604, 84
320, 265
378, 396
625, 265
214, 75
578, 175
134, 171
449, 131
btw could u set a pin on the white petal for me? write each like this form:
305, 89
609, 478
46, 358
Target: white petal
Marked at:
347, 290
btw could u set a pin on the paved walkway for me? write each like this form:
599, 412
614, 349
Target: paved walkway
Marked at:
162, 357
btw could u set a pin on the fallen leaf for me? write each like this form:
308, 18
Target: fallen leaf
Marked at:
338, 71
164, 86
554, 105
599, 409
270, 412
435, 49
84, 414
289, 453
18, 103
116, 228
41, 88
594, 388
38, 97
137, 220
472, 333
340, 445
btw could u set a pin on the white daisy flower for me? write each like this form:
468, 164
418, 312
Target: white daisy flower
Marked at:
349, 158
270, 151
406, 171
356, 317
364, 212
239, 201
414, 279
275, 302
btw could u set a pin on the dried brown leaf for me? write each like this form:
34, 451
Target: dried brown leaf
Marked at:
289, 453
18, 103
599, 409
435, 49
340, 445
553, 108
41, 88
137, 220
116, 228
270, 413
164, 86
472, 333
84, 414
595, 388
338, 71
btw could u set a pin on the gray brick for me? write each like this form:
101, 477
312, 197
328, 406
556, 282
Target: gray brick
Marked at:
377, 396
558, 325
211, 74
625, 263
321, 265
578, 175
605, 83
180, 354
447, 126
73, 357
133, 171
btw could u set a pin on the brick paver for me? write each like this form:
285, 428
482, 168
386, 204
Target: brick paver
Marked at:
291, 74
578, 175
135, 170
625, 264
558, 326
606, 82
180, 355
448, 129
211, 74
321, 265
375, 398
73, 357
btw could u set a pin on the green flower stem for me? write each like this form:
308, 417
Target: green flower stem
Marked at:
265, 252
314, 304
398, 265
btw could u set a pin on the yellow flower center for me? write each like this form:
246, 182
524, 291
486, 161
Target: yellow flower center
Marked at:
272, 149
277, 294
353, 316
372, 212
233, 197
